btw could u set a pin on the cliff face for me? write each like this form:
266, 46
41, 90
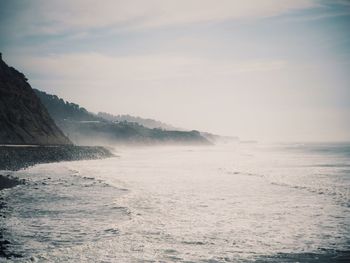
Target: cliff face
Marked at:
23, 118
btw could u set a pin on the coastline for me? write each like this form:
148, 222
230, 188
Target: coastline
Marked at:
20, 157
16, 157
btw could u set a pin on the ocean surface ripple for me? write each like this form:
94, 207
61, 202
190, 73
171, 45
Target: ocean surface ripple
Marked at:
229, 203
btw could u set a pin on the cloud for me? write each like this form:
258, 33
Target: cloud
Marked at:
99, 67
65, 16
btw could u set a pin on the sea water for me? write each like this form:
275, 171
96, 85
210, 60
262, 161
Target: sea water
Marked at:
226, 203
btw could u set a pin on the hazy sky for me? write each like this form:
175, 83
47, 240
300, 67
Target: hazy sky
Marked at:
264, 69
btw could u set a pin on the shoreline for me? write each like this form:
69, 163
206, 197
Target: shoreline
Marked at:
14, 158
7, 181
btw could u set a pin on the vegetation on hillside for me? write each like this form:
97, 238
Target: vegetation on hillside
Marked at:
84, 127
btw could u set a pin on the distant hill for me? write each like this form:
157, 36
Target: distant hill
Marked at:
152, 124
109, 133
84, 127
23, 118
148, 123
63, 110
214, 138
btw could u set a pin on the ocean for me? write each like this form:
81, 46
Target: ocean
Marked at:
224, 203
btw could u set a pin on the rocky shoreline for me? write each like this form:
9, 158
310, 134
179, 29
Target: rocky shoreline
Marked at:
14, 157
19, 157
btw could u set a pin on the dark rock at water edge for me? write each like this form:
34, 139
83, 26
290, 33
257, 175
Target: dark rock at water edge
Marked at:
15, 158
8, 182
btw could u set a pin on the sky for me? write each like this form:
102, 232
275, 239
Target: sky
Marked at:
267, 70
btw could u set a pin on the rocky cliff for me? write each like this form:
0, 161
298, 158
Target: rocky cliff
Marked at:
23, 118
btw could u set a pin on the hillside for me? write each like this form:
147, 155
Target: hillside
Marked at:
214, 138
23, 118
148, 123
86, 128
64, 110
109, 133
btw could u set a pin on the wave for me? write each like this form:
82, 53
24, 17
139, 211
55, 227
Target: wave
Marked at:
337, 192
